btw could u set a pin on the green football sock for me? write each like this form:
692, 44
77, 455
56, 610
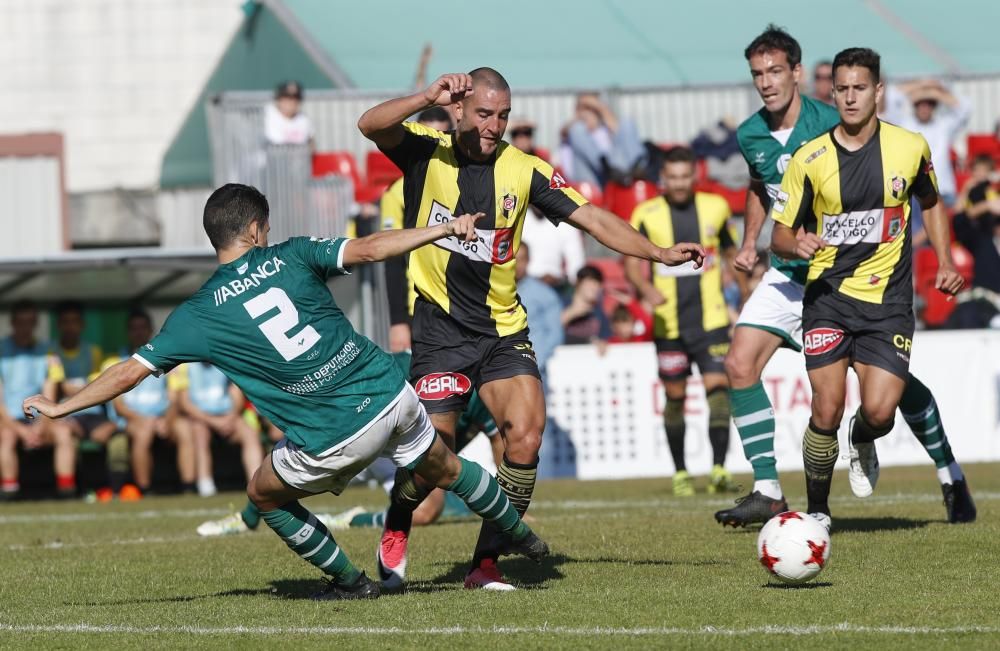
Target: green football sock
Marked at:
483, 495
250, 515
306, 536
518, 483
921, 413
368, 520
754, 418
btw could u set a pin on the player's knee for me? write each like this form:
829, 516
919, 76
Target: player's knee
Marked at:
827, 413
879, 416
524, 440
62, 435
739, 369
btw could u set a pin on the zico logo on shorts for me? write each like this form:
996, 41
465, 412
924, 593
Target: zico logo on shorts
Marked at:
438, 386
822, 340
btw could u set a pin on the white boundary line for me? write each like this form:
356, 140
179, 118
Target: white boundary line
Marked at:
709, 631
683, 505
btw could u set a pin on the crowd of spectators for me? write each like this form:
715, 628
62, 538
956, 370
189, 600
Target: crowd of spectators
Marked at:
173, 421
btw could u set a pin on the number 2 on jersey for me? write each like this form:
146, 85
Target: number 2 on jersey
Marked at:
277, 327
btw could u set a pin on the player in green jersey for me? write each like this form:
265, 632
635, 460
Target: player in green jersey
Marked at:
267, 320
772, 316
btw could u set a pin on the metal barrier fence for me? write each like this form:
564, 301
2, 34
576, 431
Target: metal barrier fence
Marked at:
663, 115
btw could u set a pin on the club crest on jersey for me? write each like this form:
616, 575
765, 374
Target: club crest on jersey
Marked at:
438, 386
508, 203
557, 181
897, 186
822, 340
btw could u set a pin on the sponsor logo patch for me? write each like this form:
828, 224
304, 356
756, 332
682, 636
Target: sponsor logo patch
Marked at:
901, 342
874, 280
672, 362
822, 340
816, 154
438, 386
557, 181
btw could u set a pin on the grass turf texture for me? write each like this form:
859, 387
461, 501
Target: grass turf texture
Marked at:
632, 567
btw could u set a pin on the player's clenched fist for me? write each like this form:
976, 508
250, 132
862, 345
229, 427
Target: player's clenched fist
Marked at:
948, 280
464, 228
448, 89
682, 253
807, 244
746, 259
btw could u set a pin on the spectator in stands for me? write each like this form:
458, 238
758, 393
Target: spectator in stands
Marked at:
284, 121
823, 81
938, 116
584, 319
522, 136
214, 406
544, 309
399, 287
630, 323
81, 362
27, 367
599, 146
977, 228
718, 146
150, 411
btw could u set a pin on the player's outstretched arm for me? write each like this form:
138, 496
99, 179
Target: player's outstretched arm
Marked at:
382, 124
386, 244
612, 232
110, 384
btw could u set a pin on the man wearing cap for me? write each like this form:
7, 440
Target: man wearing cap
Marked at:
284, 123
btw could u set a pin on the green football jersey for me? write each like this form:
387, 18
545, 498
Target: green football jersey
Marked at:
767, 158
268, 321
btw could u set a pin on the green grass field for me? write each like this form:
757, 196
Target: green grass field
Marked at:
631, 567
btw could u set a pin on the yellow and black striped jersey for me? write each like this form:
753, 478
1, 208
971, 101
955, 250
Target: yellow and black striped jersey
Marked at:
474, 281
694, 298
859, 203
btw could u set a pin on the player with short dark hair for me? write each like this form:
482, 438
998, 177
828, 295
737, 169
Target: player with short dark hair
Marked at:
772, 317
691, 320
469, 328
844, 206
267, 320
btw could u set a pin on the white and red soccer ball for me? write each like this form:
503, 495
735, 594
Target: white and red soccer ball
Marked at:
793, 546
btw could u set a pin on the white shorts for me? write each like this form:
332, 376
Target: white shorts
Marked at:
402, 435
776, 306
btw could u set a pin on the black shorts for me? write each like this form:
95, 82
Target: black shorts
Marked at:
449, 360
90, 422
706, 349
835, 328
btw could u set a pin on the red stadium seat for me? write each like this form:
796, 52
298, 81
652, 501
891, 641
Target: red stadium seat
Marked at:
937, 307
982, 143
622, 200
544, 154
380, 170
590, 191
338, 163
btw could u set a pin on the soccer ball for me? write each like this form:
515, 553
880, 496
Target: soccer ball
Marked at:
793, 546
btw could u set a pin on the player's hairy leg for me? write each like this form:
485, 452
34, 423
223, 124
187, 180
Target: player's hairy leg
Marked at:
301, 530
